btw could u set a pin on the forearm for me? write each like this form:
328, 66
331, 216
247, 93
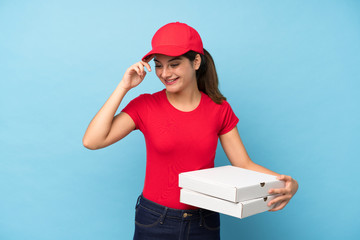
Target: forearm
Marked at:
100, 125
258, 168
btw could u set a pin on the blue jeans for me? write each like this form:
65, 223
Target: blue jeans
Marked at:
156, 222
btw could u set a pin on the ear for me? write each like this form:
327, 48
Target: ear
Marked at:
197, 61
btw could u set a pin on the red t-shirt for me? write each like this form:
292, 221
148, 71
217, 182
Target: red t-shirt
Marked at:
177, 141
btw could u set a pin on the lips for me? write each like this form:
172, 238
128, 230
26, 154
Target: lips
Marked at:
171, 81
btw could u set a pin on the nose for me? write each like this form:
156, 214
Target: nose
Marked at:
166, 73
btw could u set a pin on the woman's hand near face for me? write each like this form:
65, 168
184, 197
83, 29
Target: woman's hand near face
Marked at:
105, 129
134, 75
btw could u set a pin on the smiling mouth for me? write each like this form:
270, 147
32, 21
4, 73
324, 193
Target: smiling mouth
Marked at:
171, 81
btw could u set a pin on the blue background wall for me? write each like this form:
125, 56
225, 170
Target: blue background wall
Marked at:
290, 70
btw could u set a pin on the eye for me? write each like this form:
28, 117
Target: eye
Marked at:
174, 65
157, 66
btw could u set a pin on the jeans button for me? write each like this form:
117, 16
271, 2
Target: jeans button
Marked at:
185, 215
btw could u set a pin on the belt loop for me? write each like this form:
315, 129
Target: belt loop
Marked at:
163, 215
201, 217
138, 201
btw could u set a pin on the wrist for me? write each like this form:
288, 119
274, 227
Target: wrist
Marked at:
123, 88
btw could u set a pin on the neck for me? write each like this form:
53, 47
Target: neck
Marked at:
185, 100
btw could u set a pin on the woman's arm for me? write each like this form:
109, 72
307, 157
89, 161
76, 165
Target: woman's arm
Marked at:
237, 155
105, 129
236, 152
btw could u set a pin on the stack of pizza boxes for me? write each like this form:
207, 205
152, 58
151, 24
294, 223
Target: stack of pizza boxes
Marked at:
229, 190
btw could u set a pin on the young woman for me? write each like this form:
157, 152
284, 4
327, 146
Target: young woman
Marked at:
181, 125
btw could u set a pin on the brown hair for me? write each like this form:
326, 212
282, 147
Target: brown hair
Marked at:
207, 79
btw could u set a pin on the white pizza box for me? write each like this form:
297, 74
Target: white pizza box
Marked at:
231, 183
240, 210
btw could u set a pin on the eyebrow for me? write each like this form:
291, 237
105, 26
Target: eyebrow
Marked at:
173, 59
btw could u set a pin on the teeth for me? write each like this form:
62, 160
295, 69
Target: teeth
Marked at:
170, 80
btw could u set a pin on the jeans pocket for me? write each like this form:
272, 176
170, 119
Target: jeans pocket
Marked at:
212, 221
145, 217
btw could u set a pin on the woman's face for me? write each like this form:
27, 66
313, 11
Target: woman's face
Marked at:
176, 73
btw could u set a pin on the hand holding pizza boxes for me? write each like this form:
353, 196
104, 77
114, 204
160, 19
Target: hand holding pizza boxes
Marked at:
229, 190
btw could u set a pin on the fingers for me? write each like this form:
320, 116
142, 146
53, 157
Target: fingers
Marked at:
284, 178
279, 206
134, 75
147, 65
141, 71
139, 68
288, 185
278, 203
278, 191
285, 194
279, 199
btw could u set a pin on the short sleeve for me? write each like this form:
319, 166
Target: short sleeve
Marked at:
136, 109
228, 119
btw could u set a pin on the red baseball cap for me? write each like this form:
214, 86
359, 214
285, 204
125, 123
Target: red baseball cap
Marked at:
175, 39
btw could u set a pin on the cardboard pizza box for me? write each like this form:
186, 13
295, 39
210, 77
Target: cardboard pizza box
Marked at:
230, 183
240, 210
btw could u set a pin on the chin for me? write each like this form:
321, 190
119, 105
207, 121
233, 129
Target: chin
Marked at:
172, 89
